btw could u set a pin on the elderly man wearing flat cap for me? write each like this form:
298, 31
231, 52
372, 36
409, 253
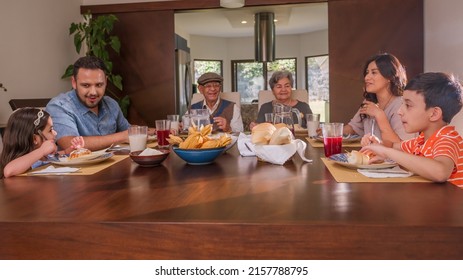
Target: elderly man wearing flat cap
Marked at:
225, 115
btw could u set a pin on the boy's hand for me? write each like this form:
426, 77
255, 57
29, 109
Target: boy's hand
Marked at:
378, 151
368, 139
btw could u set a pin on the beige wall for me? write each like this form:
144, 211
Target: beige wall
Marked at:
443, 25
35, 48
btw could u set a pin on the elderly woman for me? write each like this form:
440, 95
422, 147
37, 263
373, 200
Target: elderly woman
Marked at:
281, 84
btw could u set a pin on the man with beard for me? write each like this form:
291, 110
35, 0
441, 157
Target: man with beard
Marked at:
86, 111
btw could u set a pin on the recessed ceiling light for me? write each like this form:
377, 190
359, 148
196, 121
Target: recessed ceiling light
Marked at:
244, 22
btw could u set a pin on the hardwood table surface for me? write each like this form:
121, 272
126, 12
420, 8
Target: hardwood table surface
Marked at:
235, 208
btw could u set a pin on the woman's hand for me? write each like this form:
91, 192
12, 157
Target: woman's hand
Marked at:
368, 139
370, 108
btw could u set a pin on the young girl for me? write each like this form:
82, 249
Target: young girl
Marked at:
28, 138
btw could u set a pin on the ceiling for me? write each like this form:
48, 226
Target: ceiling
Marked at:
291, 19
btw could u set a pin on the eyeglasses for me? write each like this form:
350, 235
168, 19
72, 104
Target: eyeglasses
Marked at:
212, 85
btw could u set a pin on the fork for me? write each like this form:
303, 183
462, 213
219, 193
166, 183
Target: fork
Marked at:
373, 126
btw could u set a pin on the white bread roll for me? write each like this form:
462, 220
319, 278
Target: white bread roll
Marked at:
356, 157
281, 136
280, 125
262, 133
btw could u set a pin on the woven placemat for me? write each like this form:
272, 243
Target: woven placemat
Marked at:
84, 169
346, 175
317, 144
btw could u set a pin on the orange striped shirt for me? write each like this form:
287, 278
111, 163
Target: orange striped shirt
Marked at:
445, 142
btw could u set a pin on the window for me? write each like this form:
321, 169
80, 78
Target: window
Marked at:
202, 66
249, 77
317, 74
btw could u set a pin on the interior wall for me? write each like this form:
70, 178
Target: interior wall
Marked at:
287, 46
362, 28
35, 52
35, 48
444, 36
444, 41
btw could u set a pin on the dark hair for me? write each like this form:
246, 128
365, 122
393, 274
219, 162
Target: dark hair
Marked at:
391, 69
88, 62
278, 75
18, 138
439, 90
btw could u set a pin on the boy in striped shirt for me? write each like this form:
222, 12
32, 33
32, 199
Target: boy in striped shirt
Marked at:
430, 101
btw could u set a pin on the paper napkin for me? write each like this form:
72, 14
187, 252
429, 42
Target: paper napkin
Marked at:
245, 146
395, 172
279, 154
55, 170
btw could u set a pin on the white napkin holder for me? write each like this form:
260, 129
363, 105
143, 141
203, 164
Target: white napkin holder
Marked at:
279, 154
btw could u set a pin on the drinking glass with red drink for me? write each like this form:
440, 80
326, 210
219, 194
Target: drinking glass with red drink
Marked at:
162, 132
332, 138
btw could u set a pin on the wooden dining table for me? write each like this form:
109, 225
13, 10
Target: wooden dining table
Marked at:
235, 208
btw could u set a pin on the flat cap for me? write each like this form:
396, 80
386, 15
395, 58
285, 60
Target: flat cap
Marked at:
209, 77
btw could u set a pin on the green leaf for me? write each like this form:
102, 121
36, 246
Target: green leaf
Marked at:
78, 42
94, 33
73, 28
124, 104
68, 72
115, 44
117, 81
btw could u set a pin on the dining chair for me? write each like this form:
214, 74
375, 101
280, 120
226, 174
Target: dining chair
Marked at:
230, 96
34, 102
265, 96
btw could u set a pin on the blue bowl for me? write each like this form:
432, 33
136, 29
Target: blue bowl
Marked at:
198, 156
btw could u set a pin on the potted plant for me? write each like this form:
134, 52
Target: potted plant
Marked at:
95, 34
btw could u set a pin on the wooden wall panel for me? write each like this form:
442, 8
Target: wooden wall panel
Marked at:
147, 63
359, 29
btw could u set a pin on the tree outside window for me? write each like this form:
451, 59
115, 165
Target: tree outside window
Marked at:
317, 73
249, 77
202, 66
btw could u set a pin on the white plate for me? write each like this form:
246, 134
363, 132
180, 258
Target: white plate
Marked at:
345, 139
82, 161
341, 159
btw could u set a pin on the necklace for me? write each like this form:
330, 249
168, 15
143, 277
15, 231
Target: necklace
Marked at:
388, 101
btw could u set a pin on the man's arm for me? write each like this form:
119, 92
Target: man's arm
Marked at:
236, 123
95, 143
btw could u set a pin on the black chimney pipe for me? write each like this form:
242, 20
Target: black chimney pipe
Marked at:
264, 36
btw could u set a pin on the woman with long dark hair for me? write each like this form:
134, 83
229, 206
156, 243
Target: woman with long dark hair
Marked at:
385, 79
